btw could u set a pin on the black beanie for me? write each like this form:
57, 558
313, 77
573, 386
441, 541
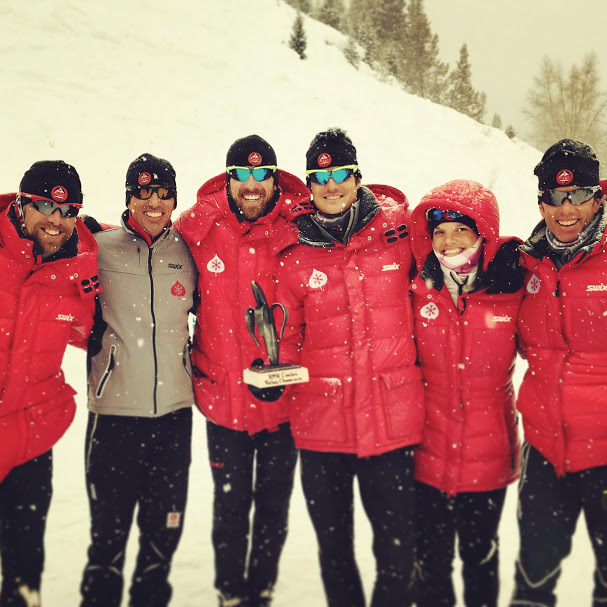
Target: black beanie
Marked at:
329, 148
252, 150
567, 162
147, 169
465, 219
53, 179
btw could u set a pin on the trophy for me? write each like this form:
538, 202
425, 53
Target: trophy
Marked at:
276, 374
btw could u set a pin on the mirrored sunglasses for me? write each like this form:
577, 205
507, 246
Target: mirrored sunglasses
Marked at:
258, 173
577, 197
144, 192
439, 215
48, 207
338, 174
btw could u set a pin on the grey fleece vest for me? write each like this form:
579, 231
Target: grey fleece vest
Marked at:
143, 366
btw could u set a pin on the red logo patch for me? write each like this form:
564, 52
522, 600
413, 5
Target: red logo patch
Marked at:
144, 178
59, 194
178, 290
255, 159
324, 160
564, 177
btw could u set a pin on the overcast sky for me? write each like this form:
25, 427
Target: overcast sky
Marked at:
507, 40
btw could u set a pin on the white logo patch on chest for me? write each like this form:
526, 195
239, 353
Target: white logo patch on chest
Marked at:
533, 286
429, 311
216, 265
317, 280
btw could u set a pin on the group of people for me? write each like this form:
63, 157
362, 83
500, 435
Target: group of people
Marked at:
409, 323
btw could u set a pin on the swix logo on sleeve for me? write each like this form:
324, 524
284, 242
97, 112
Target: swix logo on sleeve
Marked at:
390, 266
502, 318
317, 280
601, 287
65, 317
533, 286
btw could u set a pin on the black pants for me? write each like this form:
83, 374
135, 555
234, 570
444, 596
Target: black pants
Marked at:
549, 508
135, 461
387, 493
475, 518
25, 497
248, 469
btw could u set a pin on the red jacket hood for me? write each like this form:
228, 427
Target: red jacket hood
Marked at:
464, 196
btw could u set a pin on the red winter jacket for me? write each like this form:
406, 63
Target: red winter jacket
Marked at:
43, 307
563, 327
229, 256
467, 352
350, 324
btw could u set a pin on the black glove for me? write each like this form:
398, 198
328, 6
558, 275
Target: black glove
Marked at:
266, 394
91, 223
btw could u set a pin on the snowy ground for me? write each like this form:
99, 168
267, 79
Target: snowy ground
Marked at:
98, 83
299, 584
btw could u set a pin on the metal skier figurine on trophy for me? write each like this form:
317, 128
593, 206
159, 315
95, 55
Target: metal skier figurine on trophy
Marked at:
274, 374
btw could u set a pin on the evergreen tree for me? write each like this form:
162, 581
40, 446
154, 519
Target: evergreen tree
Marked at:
297, 41
351, 52
497, 121
510, 132
332, 12
423, 73
567, 106
461, 95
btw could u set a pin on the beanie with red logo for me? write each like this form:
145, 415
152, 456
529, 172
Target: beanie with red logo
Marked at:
148, 169
331, 148
253, 151
54, 180
567, 163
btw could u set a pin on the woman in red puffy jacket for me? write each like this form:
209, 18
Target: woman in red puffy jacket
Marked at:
466, 298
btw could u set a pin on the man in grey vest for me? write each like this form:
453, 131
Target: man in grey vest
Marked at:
139, 393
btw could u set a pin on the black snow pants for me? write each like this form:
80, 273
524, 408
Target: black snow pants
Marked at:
249, 470
474, 517
25, 497
387, 493
143, 462
549, 508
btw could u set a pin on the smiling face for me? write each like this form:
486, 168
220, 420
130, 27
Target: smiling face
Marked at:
152, 215
451, 238
51, 232
252, 197
567, 221
335, 198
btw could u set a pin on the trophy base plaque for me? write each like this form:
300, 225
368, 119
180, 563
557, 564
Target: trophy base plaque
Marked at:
280, 375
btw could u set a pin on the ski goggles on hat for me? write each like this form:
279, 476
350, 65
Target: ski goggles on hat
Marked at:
438, 215
339, 174
554, 198
145, 192
258, 173
48, 207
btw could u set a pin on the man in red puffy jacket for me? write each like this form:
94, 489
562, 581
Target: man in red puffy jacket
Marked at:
345, 286
240, 223
48, 282
563, 330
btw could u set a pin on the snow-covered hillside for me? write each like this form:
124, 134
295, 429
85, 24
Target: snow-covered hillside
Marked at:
98, 83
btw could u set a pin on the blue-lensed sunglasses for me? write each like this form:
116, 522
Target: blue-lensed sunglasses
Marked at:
338, 174
258, 173
439, 215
